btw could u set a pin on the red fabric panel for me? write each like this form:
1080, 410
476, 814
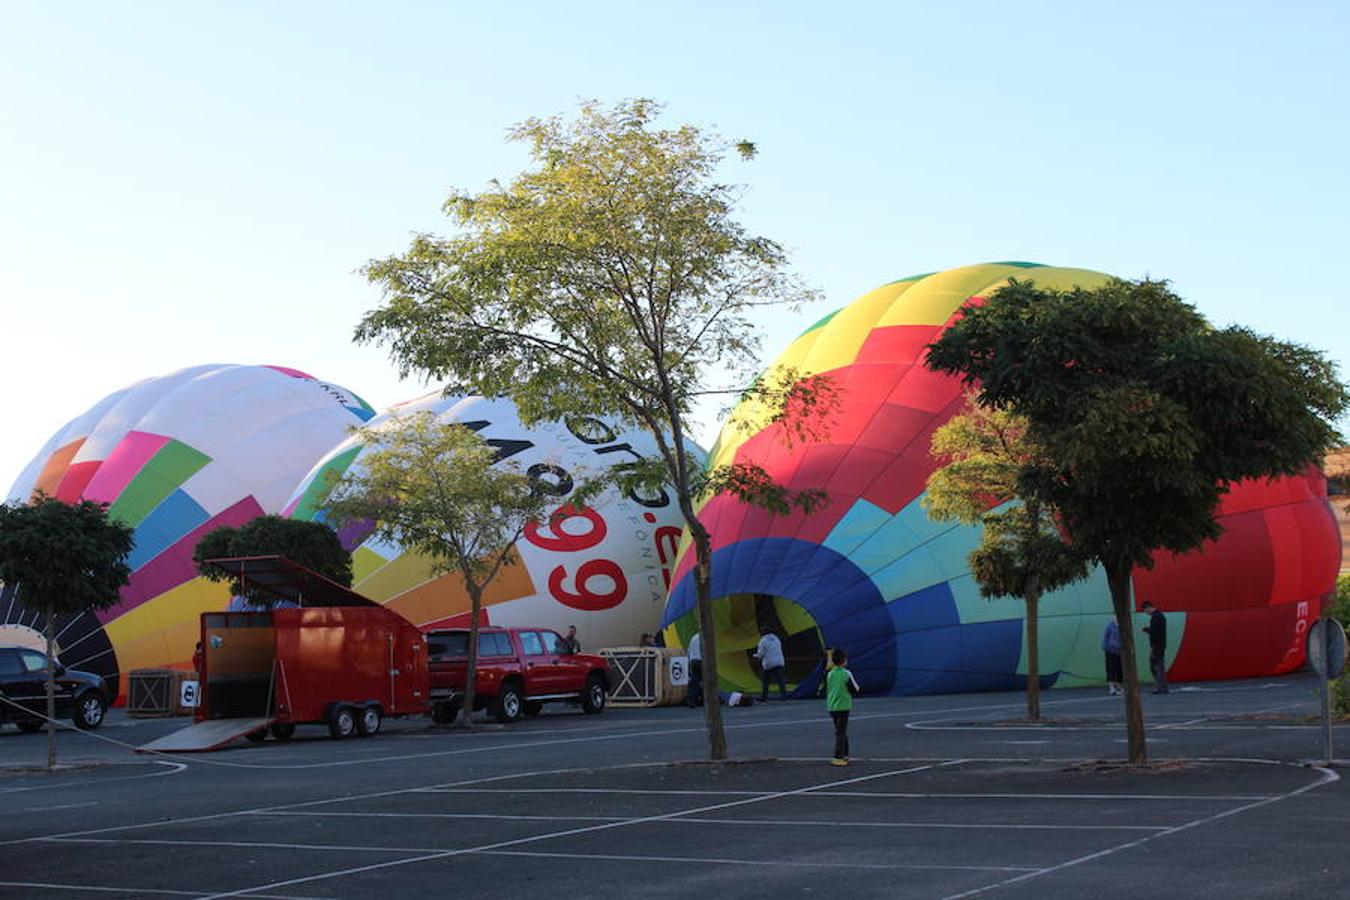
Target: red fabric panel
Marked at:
1234, 572
896, 344
76, 479
1244, 643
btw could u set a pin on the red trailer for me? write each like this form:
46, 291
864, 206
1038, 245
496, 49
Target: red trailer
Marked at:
336, 658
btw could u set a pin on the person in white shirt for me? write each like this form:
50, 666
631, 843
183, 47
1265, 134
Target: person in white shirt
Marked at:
695, 651
771, 663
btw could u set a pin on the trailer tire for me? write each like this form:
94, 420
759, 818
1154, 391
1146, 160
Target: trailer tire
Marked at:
510, 705
593, 697
444, 713
534, 707
30, 724
257, 736
369, 720
342, 722
282, 731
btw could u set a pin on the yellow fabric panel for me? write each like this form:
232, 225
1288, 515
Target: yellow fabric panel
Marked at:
932, 300
446, 596
842, 337
163, 631
365, 562
1064, 279
400, 574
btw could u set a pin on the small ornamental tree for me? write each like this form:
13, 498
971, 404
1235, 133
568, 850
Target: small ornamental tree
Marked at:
433, 487
311, 544
1021, 553
610, 279
1145, 414
64, 559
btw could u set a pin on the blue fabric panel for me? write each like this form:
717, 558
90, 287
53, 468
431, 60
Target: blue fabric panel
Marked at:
174, 517
932, 607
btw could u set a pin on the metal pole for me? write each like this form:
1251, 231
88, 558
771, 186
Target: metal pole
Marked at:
1326, 693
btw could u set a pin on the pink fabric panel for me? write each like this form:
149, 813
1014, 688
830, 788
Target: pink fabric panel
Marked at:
122, 464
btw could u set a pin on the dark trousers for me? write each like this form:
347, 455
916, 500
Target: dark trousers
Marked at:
840, 733
776, 674
695, 682
1157, 664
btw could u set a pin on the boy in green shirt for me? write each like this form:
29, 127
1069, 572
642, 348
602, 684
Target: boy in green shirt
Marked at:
840, 689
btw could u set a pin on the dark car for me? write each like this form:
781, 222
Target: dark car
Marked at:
23, 691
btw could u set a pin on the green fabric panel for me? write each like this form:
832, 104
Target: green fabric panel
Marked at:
794, 619
174, 464
1020, 265
333, 469
820, 322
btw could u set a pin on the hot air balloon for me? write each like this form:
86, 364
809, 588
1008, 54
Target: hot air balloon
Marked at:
870, 572
175, 457
605, 568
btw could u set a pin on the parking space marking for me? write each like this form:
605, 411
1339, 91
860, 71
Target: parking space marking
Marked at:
1327, 777
658, 791
390, 815
499, 845
775, 863
970, 826
107, 889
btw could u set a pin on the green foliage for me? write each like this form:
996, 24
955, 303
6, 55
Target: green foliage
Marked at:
434, 488
1145, 412
1340, 696
65, 558
610, 278
1340, 601
311, 544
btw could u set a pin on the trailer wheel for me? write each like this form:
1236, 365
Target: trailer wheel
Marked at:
534, 707
282, 731
510, 704
444, 713
342, 722
257, 736
593, 698
369, 721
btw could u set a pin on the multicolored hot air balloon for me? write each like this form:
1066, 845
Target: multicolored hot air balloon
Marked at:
872, 573
176, 457
605, 569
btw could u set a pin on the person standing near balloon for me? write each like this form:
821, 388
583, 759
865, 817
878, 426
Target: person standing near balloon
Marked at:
840, 689
695, 651
1156, 629
771, 664
1115, 672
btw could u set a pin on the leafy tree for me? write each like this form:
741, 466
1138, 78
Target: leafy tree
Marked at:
66, 559
1145, 413
1021, 553
433, 487
1340, 601
311, 544
609, 279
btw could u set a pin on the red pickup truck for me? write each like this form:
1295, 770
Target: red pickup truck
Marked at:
519, 670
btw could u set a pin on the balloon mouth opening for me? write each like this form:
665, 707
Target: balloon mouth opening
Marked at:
740, 620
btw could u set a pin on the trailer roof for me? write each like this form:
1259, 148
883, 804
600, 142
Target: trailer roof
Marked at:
279, 578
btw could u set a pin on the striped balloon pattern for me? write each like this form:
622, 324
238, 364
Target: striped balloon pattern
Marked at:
175, 457
605, 568
873, 574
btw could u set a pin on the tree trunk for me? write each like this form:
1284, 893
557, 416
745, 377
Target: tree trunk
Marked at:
471, 669
1033, 601
1118, 577
48, 631
712, 705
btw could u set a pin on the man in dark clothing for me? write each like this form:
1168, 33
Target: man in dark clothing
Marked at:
1156, 629
570, 642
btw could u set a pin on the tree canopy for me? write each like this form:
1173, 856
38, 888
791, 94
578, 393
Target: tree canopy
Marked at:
64, 559
437, 488
609, 278
988, 456
1146, 414
311, 544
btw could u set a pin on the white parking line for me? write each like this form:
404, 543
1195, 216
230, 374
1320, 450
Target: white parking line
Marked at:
774, 863
499, 845
1328, 777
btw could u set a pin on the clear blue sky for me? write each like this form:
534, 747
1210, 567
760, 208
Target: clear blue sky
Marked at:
190, 183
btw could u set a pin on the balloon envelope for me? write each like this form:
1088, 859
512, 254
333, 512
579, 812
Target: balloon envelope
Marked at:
871, 573
605, 569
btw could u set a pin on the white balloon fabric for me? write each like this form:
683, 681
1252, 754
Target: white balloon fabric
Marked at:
605, 569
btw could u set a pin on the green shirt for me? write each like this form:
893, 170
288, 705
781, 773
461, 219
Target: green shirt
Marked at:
837, 696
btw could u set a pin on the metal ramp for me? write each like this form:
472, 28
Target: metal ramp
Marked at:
204, 736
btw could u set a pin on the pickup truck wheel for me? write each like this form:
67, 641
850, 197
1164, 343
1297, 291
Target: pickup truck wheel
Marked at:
257, 736
509, 705
89, 710
283, 731
342, 722
30, 724
533, 707
593, 698
369, 721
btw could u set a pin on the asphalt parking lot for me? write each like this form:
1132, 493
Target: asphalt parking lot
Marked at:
948, 796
